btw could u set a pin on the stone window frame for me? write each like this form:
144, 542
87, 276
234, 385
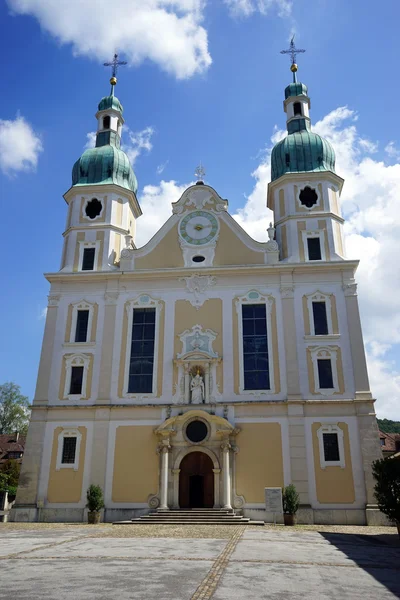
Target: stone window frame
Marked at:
314, 187
142, 301
82, 246
76, 360
319, 233
320, 297
325, 352
101, 213
331, 428
81, 305
70, 432
256, 297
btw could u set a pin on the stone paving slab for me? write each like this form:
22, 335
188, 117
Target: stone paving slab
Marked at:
112, 548
14, 542
295, 582
101, 580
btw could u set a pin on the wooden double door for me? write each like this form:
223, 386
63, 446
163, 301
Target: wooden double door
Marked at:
196, 481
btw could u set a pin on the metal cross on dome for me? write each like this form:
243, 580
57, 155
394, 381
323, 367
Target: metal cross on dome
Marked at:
115, 63
293, 51
200, 172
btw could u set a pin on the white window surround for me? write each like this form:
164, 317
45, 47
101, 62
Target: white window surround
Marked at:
83, 246
142, 301
76, 360
89, 199
331, 428
81, 305
325, 353
314, 187
319, 233
255, 297
319, 297
60, 445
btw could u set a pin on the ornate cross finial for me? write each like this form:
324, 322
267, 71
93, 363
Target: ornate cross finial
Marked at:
115, 63
293, 51
200, 172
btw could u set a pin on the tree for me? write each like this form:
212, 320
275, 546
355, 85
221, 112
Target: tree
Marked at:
12, 469
386, 472
389, 426
14, 409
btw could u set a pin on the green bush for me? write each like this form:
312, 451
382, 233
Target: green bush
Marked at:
94, 497
290, 499
386, 472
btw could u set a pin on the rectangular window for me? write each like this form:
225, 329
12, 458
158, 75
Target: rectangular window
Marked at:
325, 373
88, 259
255, 347
331, 447
82, 321
320, 318
142, 351
382, 441
68, 451
314, 248
76, 380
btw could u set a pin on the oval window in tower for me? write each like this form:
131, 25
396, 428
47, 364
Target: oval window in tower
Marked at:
196, 431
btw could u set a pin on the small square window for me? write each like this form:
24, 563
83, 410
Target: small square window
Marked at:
325, 373
314, 248
82, 321
331, 447
76, 380
382, 441
68, 451
320, 318
88, 259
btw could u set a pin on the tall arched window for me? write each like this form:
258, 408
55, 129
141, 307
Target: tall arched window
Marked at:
106, 122
297, 109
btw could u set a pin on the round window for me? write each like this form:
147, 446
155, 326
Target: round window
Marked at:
196, 431
198, 259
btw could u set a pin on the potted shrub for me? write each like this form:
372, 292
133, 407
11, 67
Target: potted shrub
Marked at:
386, 472
95, 503
291, 503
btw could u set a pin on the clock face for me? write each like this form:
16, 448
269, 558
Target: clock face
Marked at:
198, 227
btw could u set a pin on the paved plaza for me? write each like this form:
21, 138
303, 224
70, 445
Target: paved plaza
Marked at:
75, 562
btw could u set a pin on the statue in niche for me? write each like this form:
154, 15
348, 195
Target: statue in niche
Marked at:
197, 389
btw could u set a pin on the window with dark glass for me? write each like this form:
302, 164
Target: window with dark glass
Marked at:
320, 318
88, 259
76, 380
314, 248
308, 197
331, 447
142, 351
297, 108
325, 373
382, 441
68, 451
106, 122
82, 320
255, 347
93, 208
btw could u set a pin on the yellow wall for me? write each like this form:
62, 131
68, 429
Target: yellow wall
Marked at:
167, 253
231, 250
65, 485
135, 464
210, 317
259, 462
334, 484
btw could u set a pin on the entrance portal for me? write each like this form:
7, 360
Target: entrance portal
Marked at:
196, 481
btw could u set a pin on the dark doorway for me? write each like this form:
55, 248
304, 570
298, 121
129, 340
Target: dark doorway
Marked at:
196, 481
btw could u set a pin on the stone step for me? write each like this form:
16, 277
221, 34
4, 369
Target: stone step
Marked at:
191, 522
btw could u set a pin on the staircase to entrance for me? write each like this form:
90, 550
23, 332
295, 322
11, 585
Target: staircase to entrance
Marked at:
192, 516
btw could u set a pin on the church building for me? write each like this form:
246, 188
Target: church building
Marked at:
203, 367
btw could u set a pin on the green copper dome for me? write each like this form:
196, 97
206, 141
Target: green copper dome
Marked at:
296, 89
110, 102
106, 164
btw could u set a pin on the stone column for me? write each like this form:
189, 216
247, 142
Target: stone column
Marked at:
175, 500
216, 487
187, 384
164, 478
227, 477
207, 382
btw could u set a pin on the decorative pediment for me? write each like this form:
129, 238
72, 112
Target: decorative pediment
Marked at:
197, 197
197, 341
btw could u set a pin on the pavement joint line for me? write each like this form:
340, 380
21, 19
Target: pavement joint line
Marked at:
44, 547
95, 558
207, 587
315, 564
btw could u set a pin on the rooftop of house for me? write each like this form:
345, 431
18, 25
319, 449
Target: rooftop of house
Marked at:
390, 442
12, 445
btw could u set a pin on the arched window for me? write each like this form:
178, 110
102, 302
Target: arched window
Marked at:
297, 109
106, 122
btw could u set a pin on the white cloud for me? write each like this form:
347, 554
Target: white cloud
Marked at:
90, 140
161, 168
370, 203
245, 8
392, 151
137, 142
20, 146
167, 32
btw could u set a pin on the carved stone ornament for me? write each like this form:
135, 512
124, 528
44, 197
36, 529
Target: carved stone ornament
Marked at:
153, 501
238, 501
53, 299
197, 339
272, 244
198, 286
198, 198
126, 253
287, 292
350, 289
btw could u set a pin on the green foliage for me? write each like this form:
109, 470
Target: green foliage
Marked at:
290, 499
388, 426
386, 472
6, 486
14, 409
94, 497
12, 468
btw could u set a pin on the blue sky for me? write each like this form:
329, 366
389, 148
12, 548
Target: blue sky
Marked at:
205, 82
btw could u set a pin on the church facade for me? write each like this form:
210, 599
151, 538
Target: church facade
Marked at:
205, 366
